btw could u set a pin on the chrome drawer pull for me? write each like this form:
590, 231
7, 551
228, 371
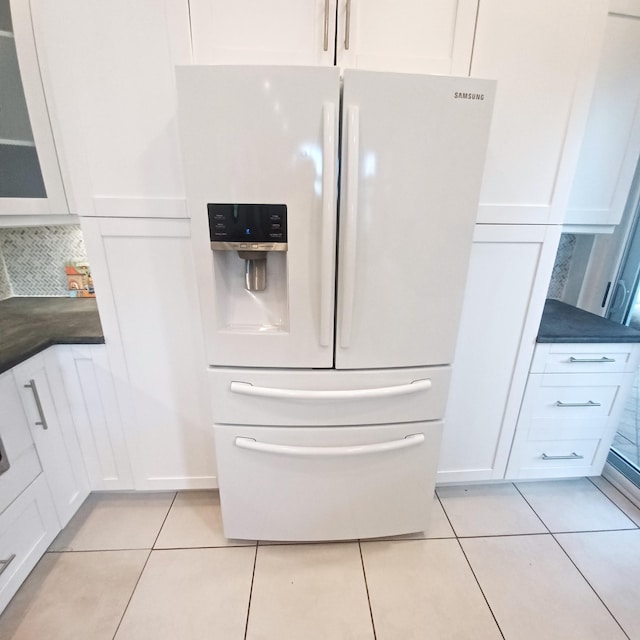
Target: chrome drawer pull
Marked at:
326, 25
43, 421
589, 403
603, 359
573, 456
5, 563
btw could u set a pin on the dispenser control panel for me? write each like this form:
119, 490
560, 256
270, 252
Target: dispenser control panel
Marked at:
248, 227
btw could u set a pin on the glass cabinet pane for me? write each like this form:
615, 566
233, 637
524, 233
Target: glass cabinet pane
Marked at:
20, 174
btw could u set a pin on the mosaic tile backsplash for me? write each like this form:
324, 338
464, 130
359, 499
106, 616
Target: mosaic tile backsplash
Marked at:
5, 285
562, 265
35, 258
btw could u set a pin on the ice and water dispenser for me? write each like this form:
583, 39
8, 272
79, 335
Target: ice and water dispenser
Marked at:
249, 246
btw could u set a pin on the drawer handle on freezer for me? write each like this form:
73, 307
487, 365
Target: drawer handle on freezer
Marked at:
324, 452
589, 403
573, 456
603, 359
248, 389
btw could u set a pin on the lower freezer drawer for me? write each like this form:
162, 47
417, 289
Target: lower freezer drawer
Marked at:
326, 483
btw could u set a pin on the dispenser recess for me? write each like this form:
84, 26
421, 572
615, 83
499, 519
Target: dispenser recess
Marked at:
253, 230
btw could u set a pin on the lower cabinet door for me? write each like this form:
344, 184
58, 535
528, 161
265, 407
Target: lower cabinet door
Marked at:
45, 404
27, 528
326, 483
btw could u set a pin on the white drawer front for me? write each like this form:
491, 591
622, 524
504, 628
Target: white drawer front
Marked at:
27, 528
311, 483
22, 472
296, 398
584, 358
561, 458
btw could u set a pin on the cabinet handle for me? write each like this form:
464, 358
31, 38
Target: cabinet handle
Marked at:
5, 563
43, 421
603, 359
589, 403
573, 456
326, 25
347, 25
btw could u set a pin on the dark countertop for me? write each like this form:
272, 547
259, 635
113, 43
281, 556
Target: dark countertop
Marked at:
30, 325
563, 323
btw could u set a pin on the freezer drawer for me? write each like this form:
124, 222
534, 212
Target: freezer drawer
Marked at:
297, 398
323, 483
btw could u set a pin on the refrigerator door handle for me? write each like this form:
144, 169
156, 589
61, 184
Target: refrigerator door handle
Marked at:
246, 388
327, 235
413, 440
348, 252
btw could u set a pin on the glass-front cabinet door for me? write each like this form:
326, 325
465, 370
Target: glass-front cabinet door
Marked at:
30, 180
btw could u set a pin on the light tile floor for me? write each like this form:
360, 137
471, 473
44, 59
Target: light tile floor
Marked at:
532, 560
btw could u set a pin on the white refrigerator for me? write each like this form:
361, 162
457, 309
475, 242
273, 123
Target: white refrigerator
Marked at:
332, 223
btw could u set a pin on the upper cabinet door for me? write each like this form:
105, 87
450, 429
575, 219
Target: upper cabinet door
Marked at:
406, 35
611, 146
109, 72
413, 150
544, 56
276, 32
30, 178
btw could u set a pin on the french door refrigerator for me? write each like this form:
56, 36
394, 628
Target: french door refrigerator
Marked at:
332, 223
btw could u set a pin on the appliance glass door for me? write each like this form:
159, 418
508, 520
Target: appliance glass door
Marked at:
413, 149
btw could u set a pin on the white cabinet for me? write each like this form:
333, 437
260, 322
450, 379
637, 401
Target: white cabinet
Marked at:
27, 528
45, 404
611, 146
108, 69
572, 405
149, 308
19, 450
30, 178
385, 35
507, 282
93, 404
543, 55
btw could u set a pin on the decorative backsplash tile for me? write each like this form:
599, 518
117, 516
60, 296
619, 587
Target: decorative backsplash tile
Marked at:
5, 285
35, 258
562, 265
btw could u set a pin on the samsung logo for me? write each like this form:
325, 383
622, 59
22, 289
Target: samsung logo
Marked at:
459, 95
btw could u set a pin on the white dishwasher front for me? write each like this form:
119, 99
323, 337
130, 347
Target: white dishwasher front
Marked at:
298, 483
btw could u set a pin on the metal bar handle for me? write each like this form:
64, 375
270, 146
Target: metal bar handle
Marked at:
327, 255
5, 563
326, 25
413, 440
247, 389
43, 421
347, 25
573, 456
348, 246
603, 359
589, 403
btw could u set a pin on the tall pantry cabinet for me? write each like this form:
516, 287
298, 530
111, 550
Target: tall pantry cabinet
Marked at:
108, 70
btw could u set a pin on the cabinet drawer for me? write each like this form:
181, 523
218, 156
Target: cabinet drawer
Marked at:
263, 397
584, 358
27, 527
559, 458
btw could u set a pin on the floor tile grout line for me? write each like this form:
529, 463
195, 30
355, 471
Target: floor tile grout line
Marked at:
544, 524
366, 587
612, 501
166, 515
124, 612
475, 577
446, 515
135, 586
590, 585
253, 575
